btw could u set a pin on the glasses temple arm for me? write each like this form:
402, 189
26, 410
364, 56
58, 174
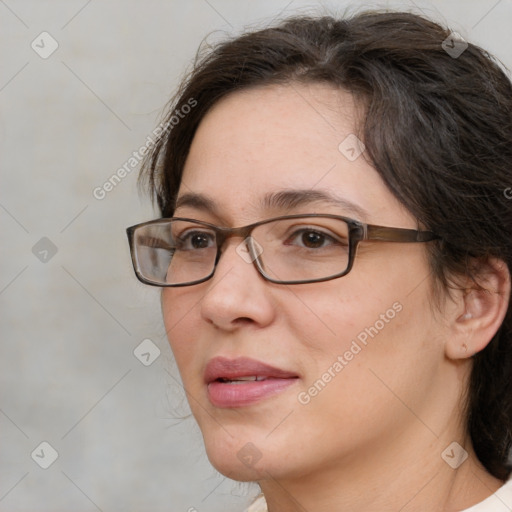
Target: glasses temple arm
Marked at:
386, 234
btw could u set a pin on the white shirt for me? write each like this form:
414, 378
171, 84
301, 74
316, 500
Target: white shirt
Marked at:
500, 501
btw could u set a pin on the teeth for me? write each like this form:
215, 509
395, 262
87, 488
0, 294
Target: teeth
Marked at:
251, 378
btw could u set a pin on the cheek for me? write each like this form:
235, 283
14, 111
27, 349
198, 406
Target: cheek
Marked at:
330, 317
180, 309
352, 332
352, 378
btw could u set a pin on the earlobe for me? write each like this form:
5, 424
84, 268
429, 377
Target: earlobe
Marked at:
461, 344
480, 311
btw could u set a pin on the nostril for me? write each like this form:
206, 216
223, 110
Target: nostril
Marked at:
244, 320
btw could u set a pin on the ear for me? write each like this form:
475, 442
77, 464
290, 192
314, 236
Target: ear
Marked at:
479, 311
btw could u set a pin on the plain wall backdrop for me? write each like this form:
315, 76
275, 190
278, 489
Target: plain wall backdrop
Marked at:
72, 312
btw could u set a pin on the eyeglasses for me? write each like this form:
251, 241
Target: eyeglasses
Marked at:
292, 249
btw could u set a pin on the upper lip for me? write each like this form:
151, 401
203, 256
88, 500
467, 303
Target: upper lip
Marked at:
230, 369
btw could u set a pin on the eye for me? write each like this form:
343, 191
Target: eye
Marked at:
310, 238
195, 240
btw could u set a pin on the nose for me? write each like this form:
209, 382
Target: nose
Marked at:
237, 294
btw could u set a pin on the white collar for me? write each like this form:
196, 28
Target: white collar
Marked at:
500, 501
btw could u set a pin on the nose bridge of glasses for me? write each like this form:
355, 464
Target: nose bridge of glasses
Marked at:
223, 234
243, 244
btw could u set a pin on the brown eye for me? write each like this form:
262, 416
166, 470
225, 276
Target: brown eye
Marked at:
313, 239
309, 238
199, 241
195, 240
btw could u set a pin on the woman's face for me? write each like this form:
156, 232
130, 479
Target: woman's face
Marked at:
355, 361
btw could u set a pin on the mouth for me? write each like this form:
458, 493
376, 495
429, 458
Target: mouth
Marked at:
242, 381
251, 378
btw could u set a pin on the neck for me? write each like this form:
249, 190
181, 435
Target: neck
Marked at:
415, 480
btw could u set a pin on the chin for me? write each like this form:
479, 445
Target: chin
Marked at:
240, 452
239, 461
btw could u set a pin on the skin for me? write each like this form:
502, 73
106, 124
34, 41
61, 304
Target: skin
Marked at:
372, 439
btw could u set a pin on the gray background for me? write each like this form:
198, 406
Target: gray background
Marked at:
71, 320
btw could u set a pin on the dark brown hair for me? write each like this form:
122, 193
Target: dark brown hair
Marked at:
437, 128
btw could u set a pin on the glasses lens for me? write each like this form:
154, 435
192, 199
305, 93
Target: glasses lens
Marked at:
175, 252
303, 249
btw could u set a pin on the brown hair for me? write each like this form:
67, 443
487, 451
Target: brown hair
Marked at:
437, 128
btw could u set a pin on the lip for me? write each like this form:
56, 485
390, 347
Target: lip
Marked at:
222, 392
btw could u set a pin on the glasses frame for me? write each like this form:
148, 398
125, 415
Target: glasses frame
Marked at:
358, 232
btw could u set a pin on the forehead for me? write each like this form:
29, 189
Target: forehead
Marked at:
262, 141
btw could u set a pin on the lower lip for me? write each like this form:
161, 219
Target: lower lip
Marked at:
224, 394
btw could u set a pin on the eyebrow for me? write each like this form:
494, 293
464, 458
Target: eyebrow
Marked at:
281, 200
197, 201
290, 199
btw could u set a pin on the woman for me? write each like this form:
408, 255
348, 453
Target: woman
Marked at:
349, 347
